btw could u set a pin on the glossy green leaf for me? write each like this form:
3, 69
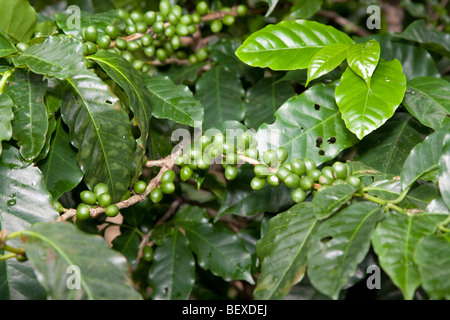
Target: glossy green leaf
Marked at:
56, 250
240, 199
428, 37
386, 150
364, 108
444, 171
339, 245
363, 58
308, 125
426, 98
172, 274
101, 131
395, 240
48, 138
263, 99
173, 102
304, 9
100, 21
432, 258
6, 115
327, 59
24, 201
272, 4
221, 94
17, 19
331, 199
6, 45
424, 157
60, 167
54, 58
283, 250
217, 248
30, 122
128, 243
288, 45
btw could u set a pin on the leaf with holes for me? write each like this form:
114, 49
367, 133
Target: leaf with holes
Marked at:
426, 98
30, 123
424, 157
395, 240
283, 250
364, 108
339, 245
61, 254
172, 274
221, 93
308, 125
331, 199
101, 131
363, 58
288, 45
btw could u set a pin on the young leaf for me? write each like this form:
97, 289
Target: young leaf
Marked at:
288, 45
172, 274
308, 125
65, 257
220, 93
99, 126
339, 245
424, 157
6, 45
17, 19
30, 114
395, 241
284, 263
60, 167
444, 171
363, 58
364, 108
54, 57
173, 102
432, 258
386, 150
6, 115
327, 59
426, 98
331, 199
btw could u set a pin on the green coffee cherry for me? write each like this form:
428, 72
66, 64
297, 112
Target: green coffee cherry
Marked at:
131, 29
325, 180
270, 157
168, 176
112, 210
91, 47
298, 195
168, 187
202, 8
112, 31
103, 42
90, 34
150, 17
141, 27
292, 181
156, 195
282, 154
140, 186
104, 200
315, 174
216, 26
298, 167
353, 181
158, 27
186, 173
261, 171
283, 172
309, 164
22, 46
257, 183
57, 206
164, 8
133, 46
228, 19
306, 183
121, 43
204, 162
182, 30
328, 172
338, 182
231, 172
128, 56
340, 170
147, 253
273, 180
232, 158
204, 141
149, 51
136, 16
83, 212
161, 54
252, 153
241, 10
88, 197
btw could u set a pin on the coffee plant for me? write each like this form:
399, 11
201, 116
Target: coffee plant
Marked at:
224, 150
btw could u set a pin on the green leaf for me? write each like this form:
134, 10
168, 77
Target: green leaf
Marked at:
304, 9
395, 240
55, 249
426, 98
424, 157
272, 4
432, 258
444, 171
240, 199
217, 249
263, 99
6, 115
173, 102
220, 93
172, 274
24, 201
17, 19
308, 125
30, 122
60, 167
99, 20
331, 199
364, 108
339, 245
288, 45
48, 138
128, 243
386, 150
99, 126
283, 250
428, 37
327, 59
185, 74
6, 45
54, 57
363, 58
